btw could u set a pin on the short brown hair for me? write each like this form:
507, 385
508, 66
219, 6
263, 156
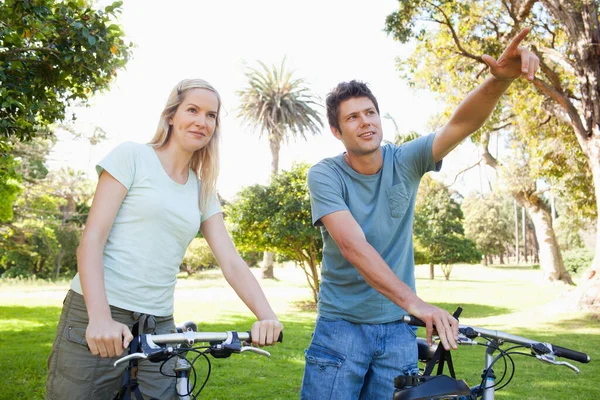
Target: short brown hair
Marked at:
344, 91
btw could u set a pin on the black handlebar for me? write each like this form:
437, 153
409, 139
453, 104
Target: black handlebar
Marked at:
570, 354
279, 339
414, 321
557, 350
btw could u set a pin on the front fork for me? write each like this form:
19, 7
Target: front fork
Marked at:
182, 384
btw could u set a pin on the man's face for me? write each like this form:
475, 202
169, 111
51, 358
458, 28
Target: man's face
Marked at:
360, 126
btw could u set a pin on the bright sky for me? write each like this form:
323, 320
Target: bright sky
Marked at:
324, 41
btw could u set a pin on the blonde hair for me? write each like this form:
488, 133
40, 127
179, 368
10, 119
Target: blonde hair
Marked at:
205, 161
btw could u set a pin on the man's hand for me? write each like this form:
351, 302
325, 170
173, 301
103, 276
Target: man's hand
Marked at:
446, 325
514, 62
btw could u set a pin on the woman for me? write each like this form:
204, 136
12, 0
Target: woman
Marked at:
149, 203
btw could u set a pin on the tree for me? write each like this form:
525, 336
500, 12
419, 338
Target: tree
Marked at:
282, 107
438, 228
489, 224
42, 235
449, 51
52, 54
278, 218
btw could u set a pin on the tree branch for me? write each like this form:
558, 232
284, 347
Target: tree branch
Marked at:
568, 107
462, 172
448, 23
549, 72
19, 50
525, 9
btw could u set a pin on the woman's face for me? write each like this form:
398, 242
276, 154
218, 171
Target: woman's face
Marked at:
195, 120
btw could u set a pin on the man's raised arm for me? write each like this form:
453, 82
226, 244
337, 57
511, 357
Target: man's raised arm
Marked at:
473, 111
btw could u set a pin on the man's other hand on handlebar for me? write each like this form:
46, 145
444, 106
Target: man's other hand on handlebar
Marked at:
437, 321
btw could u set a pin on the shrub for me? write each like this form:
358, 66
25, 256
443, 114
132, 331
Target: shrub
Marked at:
198, 256
577, 259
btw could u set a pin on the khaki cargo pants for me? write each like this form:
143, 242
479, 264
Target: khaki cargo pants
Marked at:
75, 374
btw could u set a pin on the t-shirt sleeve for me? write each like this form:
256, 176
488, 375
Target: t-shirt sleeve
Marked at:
326, 193
120, 163
417, 156
213, 207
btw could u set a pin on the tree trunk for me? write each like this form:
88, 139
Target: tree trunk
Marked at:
447, 270
523, 223
58, 260
431, 272
551, 260
275, 145
267, 266
581, 23
501, 256
516, 232
485, 260
588, 293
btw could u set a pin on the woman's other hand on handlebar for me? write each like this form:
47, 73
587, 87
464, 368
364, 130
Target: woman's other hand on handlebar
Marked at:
446, 326
107, 337
266, 332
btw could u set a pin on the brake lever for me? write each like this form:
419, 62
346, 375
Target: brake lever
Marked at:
255, 350
130, 357
551, 359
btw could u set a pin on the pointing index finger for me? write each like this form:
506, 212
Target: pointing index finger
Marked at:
514, 44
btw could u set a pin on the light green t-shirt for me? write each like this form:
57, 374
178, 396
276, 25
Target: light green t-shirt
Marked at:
152, 230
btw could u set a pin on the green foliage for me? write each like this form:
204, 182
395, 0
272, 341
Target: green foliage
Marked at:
42, 237
438, 228
278, 218
9, 186
451, 36
567, 231
52, 54
34, 255
68, 236
198, 256
489, 223
252, 258
577, 259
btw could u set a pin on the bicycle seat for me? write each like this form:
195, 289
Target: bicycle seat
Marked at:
425, 351
429, 388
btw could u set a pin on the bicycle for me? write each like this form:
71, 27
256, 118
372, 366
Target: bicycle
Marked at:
162, 347
428, 387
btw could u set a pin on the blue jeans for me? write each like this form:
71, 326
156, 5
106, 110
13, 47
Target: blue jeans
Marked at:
357, 361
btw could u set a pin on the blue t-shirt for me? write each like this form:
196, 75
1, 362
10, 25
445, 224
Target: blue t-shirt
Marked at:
383, 205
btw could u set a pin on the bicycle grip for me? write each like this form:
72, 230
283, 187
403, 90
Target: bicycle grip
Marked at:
571, 354
414, 321
279, 339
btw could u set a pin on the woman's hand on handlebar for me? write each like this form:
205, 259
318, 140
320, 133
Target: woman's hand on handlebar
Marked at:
107, 337
445, 324
266, 332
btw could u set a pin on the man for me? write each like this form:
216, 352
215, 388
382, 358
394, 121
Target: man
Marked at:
364, 202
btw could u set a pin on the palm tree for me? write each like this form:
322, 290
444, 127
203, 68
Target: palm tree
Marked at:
282, 107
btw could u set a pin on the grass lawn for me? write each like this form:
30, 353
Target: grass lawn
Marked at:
512, 299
